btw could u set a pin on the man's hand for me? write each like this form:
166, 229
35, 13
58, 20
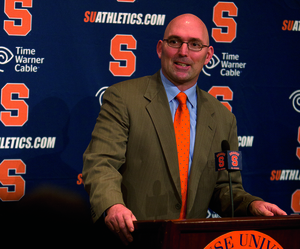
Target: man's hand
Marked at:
119, 220
262, 208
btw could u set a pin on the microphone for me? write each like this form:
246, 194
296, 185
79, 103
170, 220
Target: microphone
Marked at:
225, 145
230, 161
227, 159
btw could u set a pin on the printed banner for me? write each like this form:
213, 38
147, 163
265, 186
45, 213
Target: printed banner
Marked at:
58, 58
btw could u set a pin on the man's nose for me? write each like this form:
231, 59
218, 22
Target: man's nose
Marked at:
184, 49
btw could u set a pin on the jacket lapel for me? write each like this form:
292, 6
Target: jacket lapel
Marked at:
159, 111
205, 131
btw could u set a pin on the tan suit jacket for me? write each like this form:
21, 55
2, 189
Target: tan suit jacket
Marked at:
132, 157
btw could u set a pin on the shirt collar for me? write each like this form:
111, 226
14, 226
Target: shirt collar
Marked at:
172, 90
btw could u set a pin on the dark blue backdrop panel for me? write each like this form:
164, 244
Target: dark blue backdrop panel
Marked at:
60, 68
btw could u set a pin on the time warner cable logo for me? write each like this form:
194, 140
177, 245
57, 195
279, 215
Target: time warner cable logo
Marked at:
295, 96
100, 93
231, 66
211, 64
5, 56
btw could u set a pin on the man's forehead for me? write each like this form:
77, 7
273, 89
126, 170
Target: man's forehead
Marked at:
186, 32
187, 27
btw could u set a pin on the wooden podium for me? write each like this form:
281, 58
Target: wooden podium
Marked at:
254, 232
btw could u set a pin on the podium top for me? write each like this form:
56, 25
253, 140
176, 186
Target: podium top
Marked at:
197, 233
239, 223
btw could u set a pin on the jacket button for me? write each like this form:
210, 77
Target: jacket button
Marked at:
178, 206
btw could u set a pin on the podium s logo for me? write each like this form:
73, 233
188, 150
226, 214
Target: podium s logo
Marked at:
5, 56
21, 19
244, 239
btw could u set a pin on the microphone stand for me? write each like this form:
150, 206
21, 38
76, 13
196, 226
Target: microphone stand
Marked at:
231, 194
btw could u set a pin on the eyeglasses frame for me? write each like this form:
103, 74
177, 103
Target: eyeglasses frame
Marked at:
187, 43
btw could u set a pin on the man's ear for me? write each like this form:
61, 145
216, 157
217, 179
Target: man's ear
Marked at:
209, 55
159, 48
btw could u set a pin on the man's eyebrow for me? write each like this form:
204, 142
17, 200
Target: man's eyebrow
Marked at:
178, 37
174, 36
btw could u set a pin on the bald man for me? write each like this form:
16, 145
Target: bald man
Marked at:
131, 165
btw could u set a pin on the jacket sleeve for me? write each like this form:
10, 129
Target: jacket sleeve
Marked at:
106, 154
220, 201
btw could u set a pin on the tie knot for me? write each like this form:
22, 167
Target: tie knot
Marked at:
181, 97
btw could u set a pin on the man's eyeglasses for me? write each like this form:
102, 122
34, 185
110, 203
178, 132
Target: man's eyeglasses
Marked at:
192, 45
